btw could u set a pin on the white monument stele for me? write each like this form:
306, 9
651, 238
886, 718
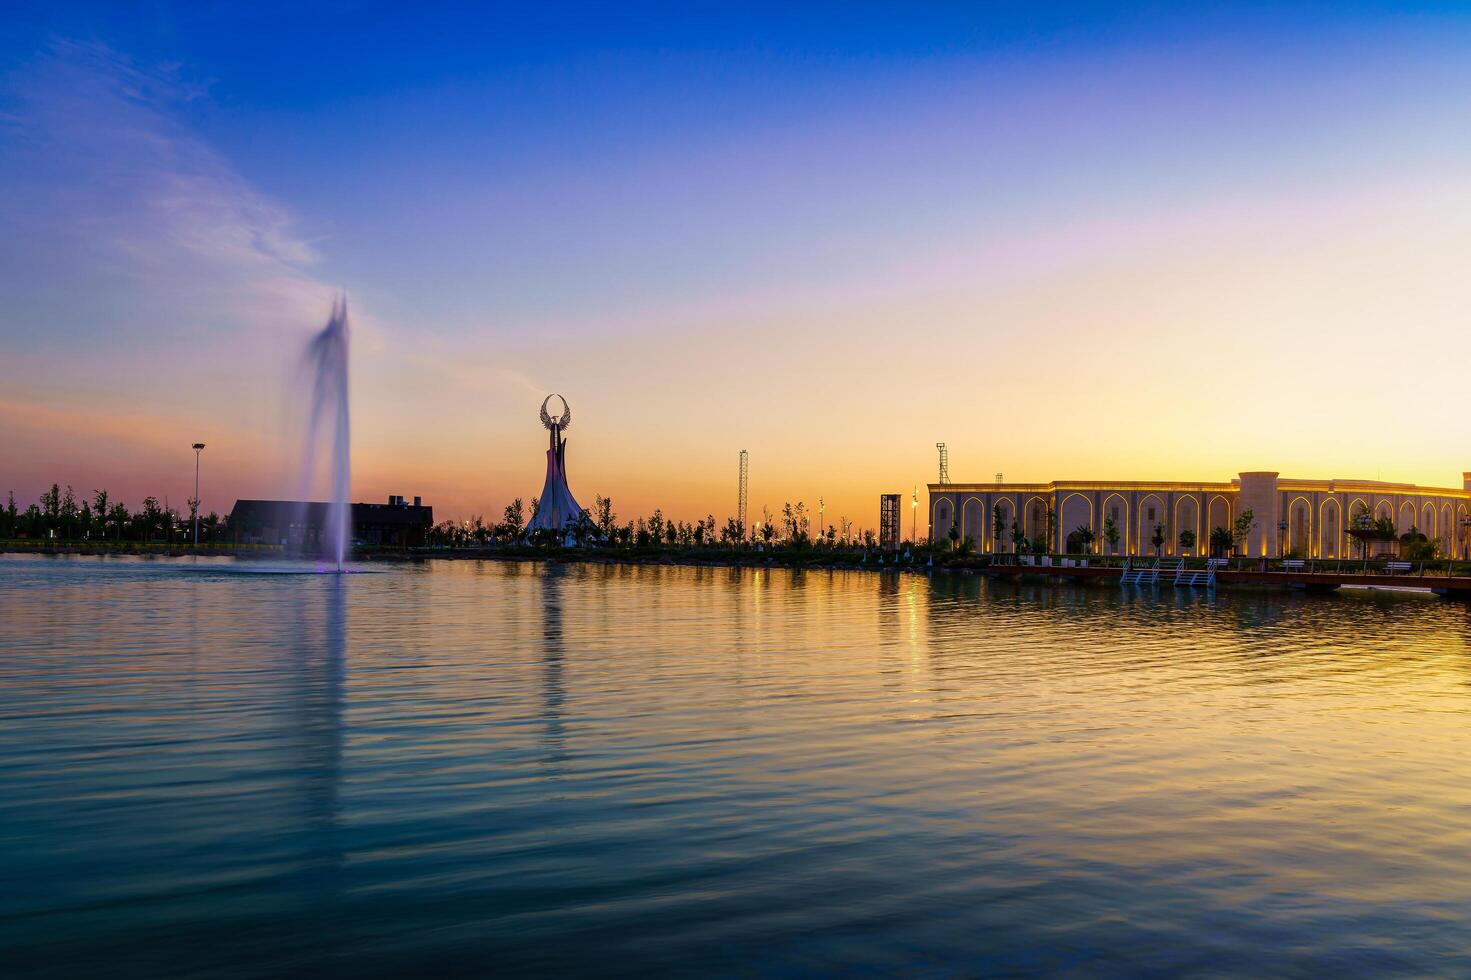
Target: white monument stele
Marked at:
556, 509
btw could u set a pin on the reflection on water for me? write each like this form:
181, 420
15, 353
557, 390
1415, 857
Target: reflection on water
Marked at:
477, 768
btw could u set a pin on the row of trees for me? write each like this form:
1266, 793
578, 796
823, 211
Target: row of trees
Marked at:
1414, 545
792, 527
1082, 538
60, 515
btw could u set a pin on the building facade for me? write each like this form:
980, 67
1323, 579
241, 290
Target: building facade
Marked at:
1307, 518
298, 525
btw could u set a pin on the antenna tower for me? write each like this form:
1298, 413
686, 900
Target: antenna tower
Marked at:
741, 493
944, 462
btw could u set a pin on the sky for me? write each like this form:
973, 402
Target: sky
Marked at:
1071, 241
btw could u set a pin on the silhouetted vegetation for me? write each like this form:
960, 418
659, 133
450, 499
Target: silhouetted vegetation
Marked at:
62, 518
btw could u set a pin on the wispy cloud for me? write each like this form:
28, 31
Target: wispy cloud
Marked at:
149, 283
114, 180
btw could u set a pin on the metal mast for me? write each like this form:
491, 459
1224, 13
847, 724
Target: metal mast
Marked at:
944, 462
741, 493
198, 448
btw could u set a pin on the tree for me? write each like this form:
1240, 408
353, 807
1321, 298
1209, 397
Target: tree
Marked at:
1083, 534
51, 510
671, 534
1051, 519
1158, 540
1415, 546
832, 535
1187, 540
514, 518
603, 515
1241, 529
11, 519
68, 513
998, 526
118, 519
1220, 540
1018, 539
656, 527
1111, 534
734, 533
150, 520
583, 529
1364, 528
954, 535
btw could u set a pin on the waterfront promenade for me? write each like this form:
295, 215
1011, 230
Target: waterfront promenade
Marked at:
1451, 579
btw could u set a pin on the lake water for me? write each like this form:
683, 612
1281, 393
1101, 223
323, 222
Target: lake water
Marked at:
218, 768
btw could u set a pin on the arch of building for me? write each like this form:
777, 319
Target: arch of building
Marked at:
942, 511
1187, 518
973, 521
1074, 513
1330, 528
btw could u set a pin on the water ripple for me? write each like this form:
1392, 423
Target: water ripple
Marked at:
464, 767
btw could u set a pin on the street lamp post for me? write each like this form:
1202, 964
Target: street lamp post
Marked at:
194, 504
1281, 535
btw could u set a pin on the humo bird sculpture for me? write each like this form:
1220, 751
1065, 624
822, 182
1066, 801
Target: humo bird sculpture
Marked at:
556, 510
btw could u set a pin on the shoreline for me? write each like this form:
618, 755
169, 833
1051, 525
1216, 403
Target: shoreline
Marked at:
813, 560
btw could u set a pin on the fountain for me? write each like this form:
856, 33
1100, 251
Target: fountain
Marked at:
328, 429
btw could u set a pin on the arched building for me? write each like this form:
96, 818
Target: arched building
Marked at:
1310, 518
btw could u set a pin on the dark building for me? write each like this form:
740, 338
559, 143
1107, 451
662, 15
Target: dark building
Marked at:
890, 522
298, 524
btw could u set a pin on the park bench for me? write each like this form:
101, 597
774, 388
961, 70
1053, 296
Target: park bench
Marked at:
1293, 565
1397, 568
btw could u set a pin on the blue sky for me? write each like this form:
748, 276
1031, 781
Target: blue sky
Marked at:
662, 206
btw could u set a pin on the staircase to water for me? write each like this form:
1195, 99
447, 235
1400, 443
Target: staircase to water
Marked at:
1140, 575
1192, 578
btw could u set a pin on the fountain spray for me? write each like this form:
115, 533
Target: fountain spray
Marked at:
326, 355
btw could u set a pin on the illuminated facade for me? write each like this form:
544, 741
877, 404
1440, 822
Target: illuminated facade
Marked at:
1309, 518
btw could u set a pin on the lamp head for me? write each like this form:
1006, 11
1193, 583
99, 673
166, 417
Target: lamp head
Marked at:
198, 446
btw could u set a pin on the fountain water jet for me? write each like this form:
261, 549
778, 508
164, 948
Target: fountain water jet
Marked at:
328, 425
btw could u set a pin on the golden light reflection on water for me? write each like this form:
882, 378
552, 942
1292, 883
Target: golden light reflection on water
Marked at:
711, 768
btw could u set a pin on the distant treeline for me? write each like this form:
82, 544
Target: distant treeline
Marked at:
792, 527
61, 516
